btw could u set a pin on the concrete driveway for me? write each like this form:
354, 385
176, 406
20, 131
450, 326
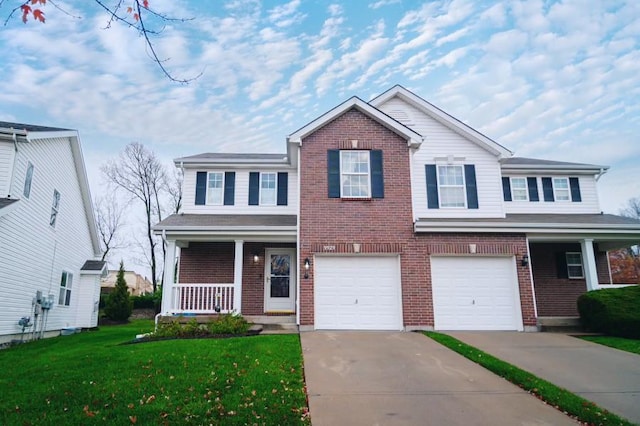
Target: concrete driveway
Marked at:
606, 376
395, 378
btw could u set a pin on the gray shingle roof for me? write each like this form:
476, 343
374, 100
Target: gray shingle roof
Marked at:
215, 156
93, 265
208, 221
522, 161
29, 127
6, 202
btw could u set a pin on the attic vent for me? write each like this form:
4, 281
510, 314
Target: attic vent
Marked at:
400, 115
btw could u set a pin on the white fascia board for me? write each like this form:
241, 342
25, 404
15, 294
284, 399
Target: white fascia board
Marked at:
231, 235
443, 118
528, 168
234, 165
202, 162
550, 228
413, 138
244, 230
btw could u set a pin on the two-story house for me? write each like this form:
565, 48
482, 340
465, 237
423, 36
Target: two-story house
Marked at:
389, 214
49, 247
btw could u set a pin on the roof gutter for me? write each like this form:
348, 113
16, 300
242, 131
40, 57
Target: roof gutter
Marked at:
601, 173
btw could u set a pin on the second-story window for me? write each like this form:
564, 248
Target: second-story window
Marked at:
519, 189
268, 189
451, 186
28, 177
355, 176
561, 189
215, 188
55, 206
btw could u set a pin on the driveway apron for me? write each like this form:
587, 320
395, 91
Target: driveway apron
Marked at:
395, 378
606, 376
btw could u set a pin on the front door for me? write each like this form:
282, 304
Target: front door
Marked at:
280, 280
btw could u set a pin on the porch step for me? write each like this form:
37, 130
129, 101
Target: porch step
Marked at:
279, 328
560, 324
271, 319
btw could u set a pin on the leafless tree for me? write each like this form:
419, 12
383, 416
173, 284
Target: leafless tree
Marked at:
139, 173
632, 210
109, 220
174, 189
135, 14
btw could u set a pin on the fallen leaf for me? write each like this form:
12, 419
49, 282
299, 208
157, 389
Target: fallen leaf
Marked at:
133, 420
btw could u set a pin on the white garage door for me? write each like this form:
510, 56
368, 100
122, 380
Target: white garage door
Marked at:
475, 293
357, 293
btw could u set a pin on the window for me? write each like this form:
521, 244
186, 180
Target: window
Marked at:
561, 189
215, 188
574, 265
519, 189
451, 186
54, 208
27, 180
66, 281
268, 189
355, 179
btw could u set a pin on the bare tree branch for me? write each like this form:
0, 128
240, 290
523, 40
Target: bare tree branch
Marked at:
109, 218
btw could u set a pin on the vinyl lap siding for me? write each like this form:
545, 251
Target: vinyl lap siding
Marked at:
6, 166
440, 142
241, 204
588, 192
33, 254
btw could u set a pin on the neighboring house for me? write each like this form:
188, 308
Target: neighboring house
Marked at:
136, 283
48, 239
389, 214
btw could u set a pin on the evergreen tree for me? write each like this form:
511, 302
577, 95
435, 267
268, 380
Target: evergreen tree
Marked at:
119, 305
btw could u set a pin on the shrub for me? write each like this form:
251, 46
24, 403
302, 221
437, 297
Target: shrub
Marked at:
118, 306
614, 311
148, 301
227, 324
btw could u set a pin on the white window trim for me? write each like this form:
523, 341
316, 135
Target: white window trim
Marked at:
464, 186
275, 199
26, 189
576, 277
526, 189
68, 289
556, 190
207, 201
55, 209
368, 173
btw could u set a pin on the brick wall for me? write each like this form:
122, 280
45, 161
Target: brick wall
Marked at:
557, 296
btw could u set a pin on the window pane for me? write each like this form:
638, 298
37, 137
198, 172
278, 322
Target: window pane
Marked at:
574, 258
61, 296
519, 189
27, 181
452, 197
268, 191
215, 188
561, 189
575, 271
354, 169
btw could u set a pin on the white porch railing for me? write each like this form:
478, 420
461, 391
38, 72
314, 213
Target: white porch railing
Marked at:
202, 298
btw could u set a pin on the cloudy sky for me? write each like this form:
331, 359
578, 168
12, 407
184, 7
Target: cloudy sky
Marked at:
549, 79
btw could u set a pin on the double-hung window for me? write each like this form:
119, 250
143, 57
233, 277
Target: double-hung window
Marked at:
355, 177
451, 186
66, 281
268, 189
561, 189
519, 190
28, 177
55, 206
574, 265
215, 188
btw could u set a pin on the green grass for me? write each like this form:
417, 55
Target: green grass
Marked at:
562, 399
89, 378
628, 345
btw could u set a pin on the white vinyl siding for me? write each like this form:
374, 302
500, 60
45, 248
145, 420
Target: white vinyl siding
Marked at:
32, 256
241, 205
7, 152
440, 145
588, 193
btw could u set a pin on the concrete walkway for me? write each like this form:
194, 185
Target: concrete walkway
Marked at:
606, 376
395, 378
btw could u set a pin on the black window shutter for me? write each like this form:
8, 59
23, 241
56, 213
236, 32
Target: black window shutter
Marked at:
283, 188
506, 188
472, 188
254, 188
561, 265
574, 184
532, 184
229, 188
201, 188
333, 173
377, 178
432, 187
547, 189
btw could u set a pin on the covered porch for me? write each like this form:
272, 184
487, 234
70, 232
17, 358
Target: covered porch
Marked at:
236, 264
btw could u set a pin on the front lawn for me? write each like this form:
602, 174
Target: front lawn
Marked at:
629, 345
89, 378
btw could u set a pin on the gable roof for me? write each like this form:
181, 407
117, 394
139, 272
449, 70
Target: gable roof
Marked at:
525, 164
443, 118
413, 138
30, 132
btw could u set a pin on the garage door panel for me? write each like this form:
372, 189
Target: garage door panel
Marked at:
475, 293
357, 293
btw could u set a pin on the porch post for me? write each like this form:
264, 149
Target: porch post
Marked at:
589, 264
168, 277
237, 277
